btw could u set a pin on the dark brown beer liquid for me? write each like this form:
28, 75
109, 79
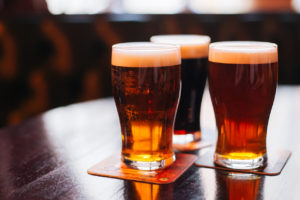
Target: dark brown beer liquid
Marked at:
193, 77
146, 100
242, 96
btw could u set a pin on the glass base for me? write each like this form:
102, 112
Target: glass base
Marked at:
186, 138
240, 164
149, 165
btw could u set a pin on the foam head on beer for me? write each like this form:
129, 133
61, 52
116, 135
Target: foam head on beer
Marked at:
145, 54
243, 52
191, 46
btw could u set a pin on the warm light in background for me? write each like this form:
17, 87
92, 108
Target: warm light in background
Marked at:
77, 6
296, 5
169, 6
220, 6
154, 6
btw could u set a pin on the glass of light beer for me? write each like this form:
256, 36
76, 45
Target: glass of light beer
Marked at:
242, 83
146, 87
194, 61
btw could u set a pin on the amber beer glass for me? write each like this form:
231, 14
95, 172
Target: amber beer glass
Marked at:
194, 53
146, 87
242, 85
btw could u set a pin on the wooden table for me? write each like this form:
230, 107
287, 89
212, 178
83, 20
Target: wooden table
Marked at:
47, 157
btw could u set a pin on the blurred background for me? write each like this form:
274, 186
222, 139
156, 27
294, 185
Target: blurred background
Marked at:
57, 52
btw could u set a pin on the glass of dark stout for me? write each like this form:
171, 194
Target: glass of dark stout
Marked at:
194, 61
146, 87
242, 83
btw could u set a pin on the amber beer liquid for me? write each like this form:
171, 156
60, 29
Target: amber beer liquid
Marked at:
146, 86
242, 85
194, 53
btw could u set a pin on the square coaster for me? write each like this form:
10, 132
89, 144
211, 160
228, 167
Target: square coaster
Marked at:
276, 162
114, 168
192, 146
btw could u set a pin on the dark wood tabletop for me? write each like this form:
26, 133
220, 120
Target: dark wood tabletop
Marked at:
47, 157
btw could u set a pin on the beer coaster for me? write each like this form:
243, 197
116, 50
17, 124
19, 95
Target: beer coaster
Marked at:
114, 168
192, 146
276, 162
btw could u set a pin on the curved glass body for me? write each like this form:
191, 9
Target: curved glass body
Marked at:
194, 52
242, 85
146, 86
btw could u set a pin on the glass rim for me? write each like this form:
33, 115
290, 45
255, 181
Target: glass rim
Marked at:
243, 46
181, 39
145, 54
243, 52
144, 46
192, 46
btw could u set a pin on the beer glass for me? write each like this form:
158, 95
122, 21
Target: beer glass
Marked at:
242, 83
146, 87
194, 53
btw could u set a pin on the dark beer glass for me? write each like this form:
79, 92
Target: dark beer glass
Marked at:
242, 85
194, 53
146, 87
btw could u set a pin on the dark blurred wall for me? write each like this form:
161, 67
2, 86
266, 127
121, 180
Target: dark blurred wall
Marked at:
13, 7
50, 61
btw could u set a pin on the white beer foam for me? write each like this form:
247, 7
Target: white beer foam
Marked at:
191, 46
243, 52
145, 54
